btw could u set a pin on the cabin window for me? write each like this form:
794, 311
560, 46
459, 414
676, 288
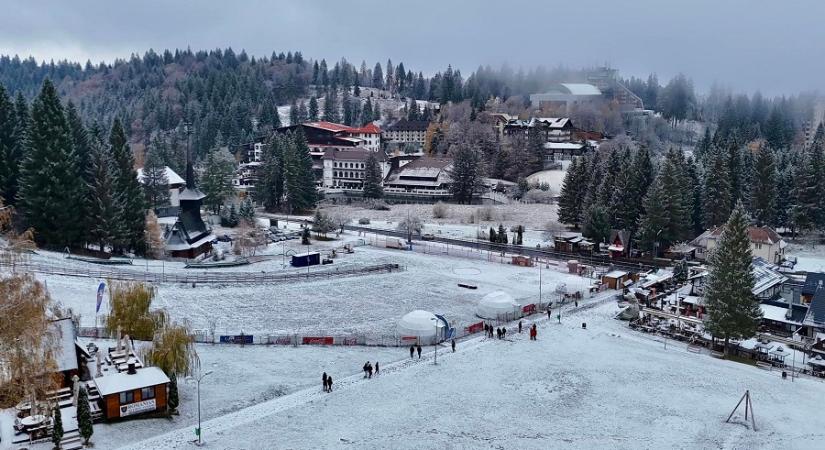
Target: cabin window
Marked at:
147, 393
127, 397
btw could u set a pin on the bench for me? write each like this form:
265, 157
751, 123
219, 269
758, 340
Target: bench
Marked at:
716, 354
764, 365
694, 348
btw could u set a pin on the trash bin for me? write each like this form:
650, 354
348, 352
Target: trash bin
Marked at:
784, 374
584, 325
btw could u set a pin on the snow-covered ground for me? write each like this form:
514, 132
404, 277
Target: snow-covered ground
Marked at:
532, 216
810, 258
437, 227
603, 387
368, 304
242, 376
555, 178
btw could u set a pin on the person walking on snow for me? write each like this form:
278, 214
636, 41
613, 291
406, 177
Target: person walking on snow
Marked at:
519, 327
504, 332
549, 314
377, 369
324, 379
369, 370
412, 351
453, 345
418, 349
329, 384
365, 368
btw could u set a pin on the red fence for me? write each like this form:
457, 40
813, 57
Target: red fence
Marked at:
475, 328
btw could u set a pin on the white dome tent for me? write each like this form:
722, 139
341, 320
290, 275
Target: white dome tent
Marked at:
423, 325
497, 305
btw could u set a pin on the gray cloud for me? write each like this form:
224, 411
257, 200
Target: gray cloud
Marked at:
772, 46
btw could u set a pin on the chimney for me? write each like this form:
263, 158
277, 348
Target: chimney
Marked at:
131, 370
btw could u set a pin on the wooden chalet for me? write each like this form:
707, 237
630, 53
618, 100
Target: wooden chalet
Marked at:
135, 391
619, 243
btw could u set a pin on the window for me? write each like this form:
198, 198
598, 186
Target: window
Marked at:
127, 397
147, 393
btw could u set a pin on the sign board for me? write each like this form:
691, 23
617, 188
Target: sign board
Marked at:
137, 407
239, 339
350, 341
308, 340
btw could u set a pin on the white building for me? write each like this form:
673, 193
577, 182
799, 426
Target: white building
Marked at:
345, 169
765, 243
407, 131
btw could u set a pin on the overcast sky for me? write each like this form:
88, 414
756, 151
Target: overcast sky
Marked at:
774, 46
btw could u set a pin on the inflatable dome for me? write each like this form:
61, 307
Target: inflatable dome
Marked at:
421, 324
496, 304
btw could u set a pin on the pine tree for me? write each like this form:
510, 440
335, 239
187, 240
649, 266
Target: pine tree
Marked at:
173, 401
331, 106
372, 178
247, 212
303, 113
270, 188
502, 234
493, 235
154, 236
299, 180
732, 310
103, 202
294, 117
763, 194
49, 175
217, 179
57, 428
466, 173
655, 219
313, 109
155, 182
84, 415
596, 224
535, 152
132, 200
716, 190
9, 162
14, 160
570, 207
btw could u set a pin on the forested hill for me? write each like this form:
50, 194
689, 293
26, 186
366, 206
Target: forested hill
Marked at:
221, 90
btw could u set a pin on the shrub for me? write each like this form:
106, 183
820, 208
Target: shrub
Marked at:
364, 221
440, 210
538, 196
485, 213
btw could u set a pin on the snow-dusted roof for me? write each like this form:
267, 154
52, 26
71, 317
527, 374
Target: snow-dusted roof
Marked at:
776, 314
563, 146
192, 194
171, 176
123, 382
496, 303
175, 244
765, 277
581, 89
65, 355
615, 274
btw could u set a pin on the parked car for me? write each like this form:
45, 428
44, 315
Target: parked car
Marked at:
427, 237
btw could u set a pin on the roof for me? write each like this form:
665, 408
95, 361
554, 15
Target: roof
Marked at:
581, 89
65, 355
812, 281
816, 311
369, 128
192, 194
123, 382
765, 276
776, 314
763, 235
171, 176
329, 126
615, 274
563, 146
409, 125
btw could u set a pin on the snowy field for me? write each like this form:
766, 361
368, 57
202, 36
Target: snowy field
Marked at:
605, 387
369, 304
440, 228
532, 216
810, 258
242, 376
555, 178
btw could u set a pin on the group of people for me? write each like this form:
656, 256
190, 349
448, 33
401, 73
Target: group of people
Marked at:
500, 332
415, 348
327, 380
368, 369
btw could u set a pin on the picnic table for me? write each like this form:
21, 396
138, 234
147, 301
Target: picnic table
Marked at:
33, 421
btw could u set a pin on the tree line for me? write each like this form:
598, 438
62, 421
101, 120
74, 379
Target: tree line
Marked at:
74, 185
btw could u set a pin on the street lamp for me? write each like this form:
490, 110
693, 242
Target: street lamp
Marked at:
435, 340
201, 376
